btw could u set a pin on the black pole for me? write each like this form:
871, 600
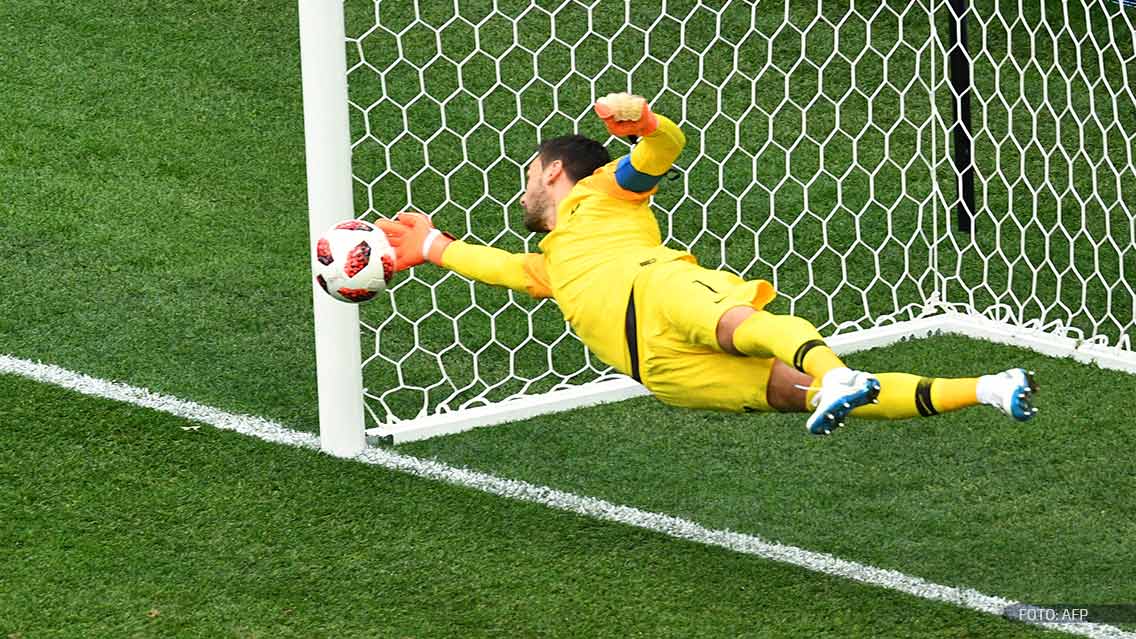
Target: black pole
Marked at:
960, 103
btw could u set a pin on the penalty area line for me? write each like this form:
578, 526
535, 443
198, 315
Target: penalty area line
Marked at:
592, 507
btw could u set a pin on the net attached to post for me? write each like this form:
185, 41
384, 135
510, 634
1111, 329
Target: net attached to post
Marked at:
819, 157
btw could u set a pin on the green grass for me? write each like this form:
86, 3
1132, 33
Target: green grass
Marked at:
151, 158
1033, 511
118, 522
155, 227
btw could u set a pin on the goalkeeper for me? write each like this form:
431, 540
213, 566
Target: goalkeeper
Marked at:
695, 337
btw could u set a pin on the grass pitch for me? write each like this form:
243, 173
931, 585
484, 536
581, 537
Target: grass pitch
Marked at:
121, 523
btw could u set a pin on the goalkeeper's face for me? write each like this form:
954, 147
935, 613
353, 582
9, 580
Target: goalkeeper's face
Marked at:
536, 201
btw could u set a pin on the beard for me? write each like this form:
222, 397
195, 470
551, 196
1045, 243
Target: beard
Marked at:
536, 211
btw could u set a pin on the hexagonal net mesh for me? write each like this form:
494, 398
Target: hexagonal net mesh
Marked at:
1055, 175
819, 157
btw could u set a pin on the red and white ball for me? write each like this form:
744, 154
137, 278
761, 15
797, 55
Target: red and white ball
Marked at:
353, 261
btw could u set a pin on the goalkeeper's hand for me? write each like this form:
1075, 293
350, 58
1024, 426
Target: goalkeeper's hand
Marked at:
414, 240
626, 114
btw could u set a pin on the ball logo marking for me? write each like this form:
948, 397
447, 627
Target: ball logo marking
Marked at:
357, 259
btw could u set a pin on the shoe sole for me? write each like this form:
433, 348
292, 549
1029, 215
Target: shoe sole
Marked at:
1022, 408
834, 417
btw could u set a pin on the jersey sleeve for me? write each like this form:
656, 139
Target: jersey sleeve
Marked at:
650, 159
522, 272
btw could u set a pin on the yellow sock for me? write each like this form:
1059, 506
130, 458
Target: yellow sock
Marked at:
903, 396
790, 339
953, 394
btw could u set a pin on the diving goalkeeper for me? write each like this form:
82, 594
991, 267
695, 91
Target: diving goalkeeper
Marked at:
694, 337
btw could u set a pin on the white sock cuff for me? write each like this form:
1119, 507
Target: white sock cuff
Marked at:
838, 374
987, 391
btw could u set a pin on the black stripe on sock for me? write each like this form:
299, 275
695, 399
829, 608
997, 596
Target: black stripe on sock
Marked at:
923, 397
802, 350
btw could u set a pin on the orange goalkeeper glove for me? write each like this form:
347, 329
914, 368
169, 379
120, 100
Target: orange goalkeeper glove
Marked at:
626, 114
414, 240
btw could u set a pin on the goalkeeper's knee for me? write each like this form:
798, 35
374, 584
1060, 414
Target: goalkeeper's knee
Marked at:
791, 339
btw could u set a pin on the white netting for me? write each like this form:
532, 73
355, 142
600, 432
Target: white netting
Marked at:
819, 156
1055, 163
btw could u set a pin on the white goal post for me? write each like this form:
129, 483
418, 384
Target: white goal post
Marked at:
896, 169
339, 378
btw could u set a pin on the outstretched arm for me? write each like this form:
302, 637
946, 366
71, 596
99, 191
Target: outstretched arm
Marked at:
415, 240
660, 140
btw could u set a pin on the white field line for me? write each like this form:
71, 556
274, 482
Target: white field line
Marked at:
550, 497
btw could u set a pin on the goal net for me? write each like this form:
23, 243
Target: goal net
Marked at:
822, 155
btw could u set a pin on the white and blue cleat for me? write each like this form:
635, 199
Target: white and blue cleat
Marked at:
841, 391
1011, 392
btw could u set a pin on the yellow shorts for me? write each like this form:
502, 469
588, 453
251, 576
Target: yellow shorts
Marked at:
678, 307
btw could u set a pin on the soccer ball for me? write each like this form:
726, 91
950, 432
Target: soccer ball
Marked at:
353, 261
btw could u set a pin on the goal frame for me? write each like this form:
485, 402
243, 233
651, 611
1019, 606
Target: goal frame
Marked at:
327, 149
337, 335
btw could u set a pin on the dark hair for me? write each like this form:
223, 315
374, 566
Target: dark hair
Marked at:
580, 155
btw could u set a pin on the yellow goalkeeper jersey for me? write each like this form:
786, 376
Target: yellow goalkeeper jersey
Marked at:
604, 237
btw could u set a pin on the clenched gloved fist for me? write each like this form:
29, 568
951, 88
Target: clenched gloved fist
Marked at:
626, 114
